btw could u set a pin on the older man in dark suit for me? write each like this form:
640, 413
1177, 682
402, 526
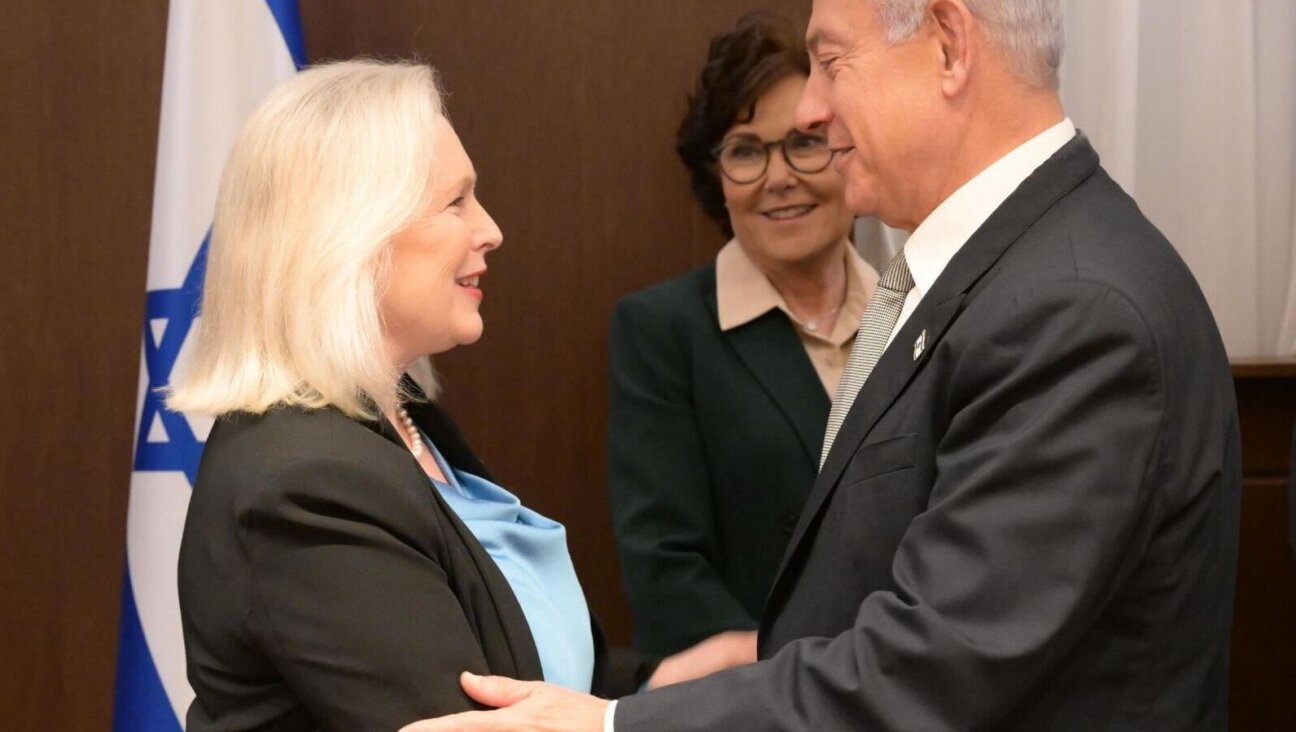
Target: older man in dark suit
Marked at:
1027, 514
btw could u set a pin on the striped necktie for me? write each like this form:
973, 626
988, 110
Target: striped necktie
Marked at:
875, 328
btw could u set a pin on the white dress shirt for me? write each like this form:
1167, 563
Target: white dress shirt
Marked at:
940, 236
944, 232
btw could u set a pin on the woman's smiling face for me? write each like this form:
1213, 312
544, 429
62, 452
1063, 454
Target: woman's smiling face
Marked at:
433, 290
784, 217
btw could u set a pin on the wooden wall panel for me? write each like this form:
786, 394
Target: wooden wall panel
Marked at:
568, 109
80, 97
1263, 660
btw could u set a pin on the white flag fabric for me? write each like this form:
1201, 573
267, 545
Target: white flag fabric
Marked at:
222, 58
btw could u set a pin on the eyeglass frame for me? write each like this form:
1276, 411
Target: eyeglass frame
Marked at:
780, 143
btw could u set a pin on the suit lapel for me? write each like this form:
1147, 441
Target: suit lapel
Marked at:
1058, 176
772, 352
893, 372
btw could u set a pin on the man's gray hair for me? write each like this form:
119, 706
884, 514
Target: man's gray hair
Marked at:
1029, 32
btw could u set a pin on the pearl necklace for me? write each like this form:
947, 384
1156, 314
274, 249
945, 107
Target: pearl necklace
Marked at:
812, 326
415, 439
828, 318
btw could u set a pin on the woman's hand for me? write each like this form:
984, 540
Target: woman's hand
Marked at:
719, 652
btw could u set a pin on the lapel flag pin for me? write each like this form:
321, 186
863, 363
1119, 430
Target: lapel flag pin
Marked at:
920, 344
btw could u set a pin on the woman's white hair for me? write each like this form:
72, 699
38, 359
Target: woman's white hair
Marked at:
333, 164
1028, 32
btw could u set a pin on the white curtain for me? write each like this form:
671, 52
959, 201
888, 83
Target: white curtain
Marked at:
1192, 107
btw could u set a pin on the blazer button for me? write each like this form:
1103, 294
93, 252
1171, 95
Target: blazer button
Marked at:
790, 521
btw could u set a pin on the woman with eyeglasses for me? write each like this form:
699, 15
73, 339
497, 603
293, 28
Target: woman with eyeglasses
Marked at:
722, 378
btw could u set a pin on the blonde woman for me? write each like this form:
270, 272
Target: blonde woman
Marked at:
345, 554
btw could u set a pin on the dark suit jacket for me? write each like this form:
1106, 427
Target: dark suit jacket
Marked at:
714, 441
1028, 524
325, 584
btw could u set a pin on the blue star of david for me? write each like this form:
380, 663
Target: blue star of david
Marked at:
178, 308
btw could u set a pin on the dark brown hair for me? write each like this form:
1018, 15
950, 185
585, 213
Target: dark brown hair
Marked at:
741, 65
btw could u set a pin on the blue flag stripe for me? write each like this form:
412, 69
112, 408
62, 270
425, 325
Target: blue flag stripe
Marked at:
142, 704
288, 17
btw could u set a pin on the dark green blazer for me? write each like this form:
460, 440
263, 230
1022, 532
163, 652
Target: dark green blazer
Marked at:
714, 441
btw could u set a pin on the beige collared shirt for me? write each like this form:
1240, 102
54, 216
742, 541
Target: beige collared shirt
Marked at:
744, 293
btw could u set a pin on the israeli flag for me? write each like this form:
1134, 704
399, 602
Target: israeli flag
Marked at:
222, 58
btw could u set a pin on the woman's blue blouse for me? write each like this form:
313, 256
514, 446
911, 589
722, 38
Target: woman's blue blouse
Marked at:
531, 552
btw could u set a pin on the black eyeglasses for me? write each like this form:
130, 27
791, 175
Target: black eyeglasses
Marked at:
745, 159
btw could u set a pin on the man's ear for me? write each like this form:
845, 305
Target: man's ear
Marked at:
953, 25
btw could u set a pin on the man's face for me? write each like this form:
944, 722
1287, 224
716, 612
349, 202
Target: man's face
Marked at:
881, 106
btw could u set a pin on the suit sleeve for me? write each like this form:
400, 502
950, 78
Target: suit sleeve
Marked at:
1040, 508
618, 671
349, 600
660, 490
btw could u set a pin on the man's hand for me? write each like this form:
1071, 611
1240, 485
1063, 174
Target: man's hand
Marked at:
525, 706
719, 652
534, 706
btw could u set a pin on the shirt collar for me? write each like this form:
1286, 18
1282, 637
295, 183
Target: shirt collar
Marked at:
744, 293
940, 236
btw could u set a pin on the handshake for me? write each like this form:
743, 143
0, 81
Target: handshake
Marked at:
535, 705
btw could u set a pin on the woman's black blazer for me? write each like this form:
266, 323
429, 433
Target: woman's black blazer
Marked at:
714, 441
325, 584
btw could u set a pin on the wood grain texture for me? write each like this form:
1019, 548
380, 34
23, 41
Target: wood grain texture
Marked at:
81, 88
1262, 671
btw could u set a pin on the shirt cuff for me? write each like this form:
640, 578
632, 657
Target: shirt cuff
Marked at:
608, 715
